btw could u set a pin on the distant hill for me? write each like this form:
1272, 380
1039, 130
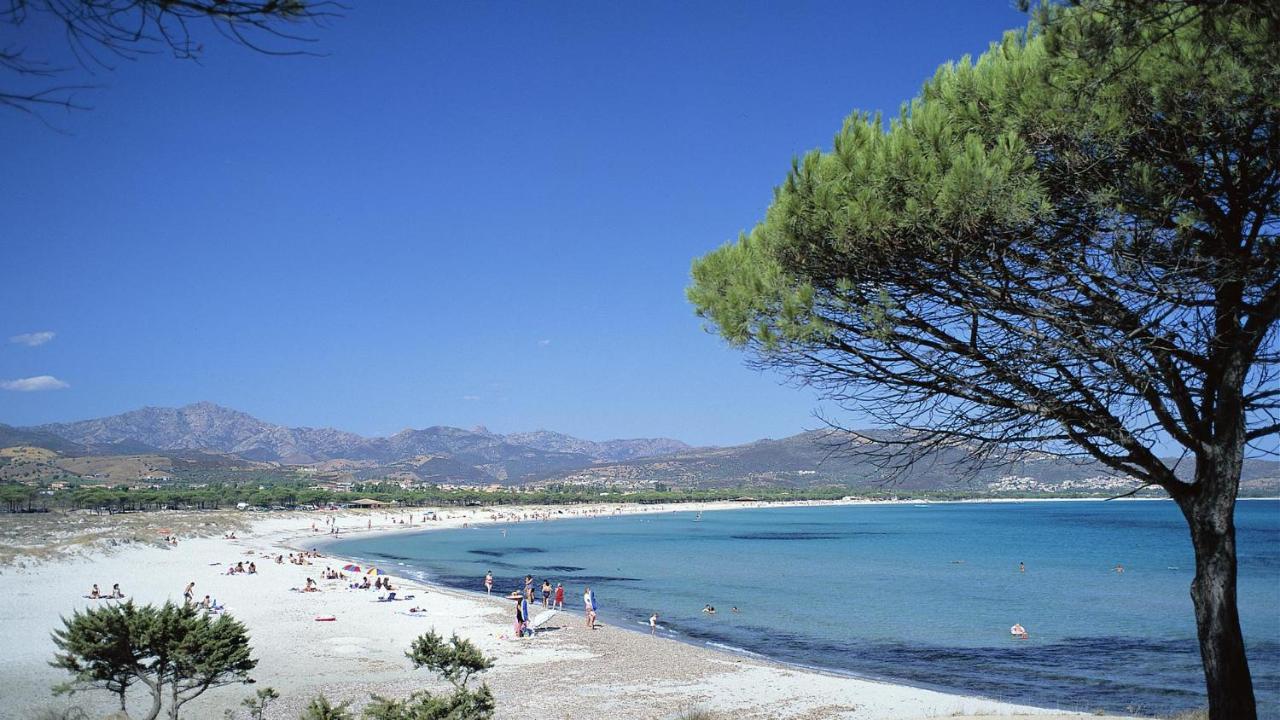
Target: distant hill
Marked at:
18, 437
477, 456
824, 458
609, 450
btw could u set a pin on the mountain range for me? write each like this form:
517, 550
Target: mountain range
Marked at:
211, 428
207, 438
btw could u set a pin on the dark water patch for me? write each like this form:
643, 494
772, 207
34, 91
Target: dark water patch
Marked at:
801, 535
503, 552
558, 569
389, 556
601, 579
502, 564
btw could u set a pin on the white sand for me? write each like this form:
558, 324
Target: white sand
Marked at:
565, 672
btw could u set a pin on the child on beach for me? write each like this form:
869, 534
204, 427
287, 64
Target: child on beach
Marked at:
559, 596
519, 618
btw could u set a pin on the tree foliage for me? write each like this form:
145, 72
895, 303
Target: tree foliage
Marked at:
258, 702
456, 661
1067, 245
176, 651
458, 705
321, 709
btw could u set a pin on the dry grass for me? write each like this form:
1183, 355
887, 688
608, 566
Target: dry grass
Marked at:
41, 537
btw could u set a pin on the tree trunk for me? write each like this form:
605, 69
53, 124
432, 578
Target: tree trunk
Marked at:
1210, 513
156, 692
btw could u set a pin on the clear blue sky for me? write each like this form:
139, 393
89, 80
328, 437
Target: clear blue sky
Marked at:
465, 213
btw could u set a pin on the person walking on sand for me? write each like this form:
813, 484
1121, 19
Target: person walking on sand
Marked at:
559, 596
546, 593
653, 624
189, 593
528, 588
488, 583
589, 602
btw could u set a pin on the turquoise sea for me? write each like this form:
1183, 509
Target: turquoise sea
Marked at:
915, 594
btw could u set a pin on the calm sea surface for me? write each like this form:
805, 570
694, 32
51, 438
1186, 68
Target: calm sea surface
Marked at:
916, 594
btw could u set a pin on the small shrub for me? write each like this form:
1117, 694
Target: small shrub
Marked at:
258, 702
321, 709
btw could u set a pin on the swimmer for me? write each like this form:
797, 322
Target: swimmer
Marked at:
1022, 567
1018, 631
1119, 569
709, 610
735, 609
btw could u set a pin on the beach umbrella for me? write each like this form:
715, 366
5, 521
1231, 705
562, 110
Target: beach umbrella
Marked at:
351, 568
375, 571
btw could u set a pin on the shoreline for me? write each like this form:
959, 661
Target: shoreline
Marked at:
603, 673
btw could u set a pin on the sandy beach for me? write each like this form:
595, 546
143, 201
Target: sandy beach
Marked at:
564, 671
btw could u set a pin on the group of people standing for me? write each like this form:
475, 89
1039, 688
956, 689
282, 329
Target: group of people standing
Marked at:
552, 599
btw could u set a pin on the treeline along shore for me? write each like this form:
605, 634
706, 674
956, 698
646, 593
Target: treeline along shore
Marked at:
286, 495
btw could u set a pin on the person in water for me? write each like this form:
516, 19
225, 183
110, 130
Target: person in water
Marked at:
709, 610
488, 583
1018, 631
653, 624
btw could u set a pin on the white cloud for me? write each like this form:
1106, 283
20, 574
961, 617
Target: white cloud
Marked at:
32, 384
543, 343
470, 398
33, 339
